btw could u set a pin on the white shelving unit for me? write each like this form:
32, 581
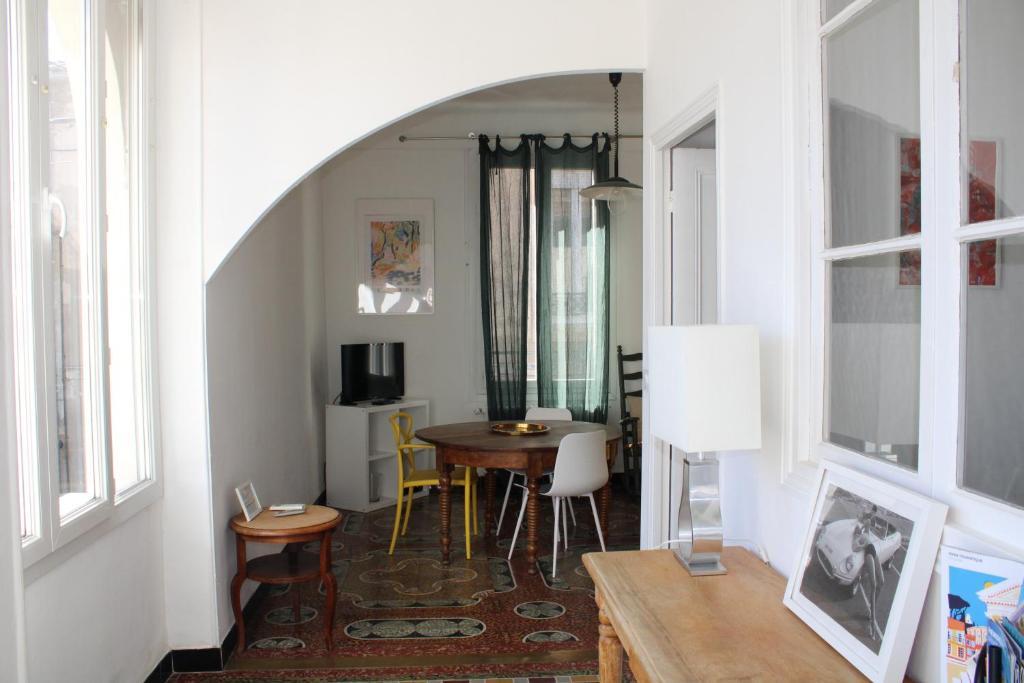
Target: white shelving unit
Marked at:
360, 442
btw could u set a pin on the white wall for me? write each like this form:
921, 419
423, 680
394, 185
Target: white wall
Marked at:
444, 351
265, 354
98, 614
189, 577
691, 48
295, 86
252, 96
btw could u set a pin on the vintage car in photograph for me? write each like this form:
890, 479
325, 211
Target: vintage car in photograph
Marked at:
841, 547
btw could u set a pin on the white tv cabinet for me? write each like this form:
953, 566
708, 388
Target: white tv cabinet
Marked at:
360, 441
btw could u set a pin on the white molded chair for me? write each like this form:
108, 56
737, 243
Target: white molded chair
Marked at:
580, 469
538, 414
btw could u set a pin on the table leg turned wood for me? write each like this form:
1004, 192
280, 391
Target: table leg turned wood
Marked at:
532, 523
489, 504
609, 649
293, 566
236, 592
444, 473
330, 587
605, 502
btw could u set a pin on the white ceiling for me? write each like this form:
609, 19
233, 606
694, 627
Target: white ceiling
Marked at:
575, 103
578, 91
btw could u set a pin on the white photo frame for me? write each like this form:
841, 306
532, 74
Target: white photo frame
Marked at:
247, 499
395, 245
863, 568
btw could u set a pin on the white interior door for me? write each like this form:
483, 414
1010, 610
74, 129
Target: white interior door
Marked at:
693, 203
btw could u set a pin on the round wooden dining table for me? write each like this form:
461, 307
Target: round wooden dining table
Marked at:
473, 444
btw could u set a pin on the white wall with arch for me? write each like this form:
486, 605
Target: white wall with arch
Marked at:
250, 99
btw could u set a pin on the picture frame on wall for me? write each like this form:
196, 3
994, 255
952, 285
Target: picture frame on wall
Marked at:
863, 568
395, 242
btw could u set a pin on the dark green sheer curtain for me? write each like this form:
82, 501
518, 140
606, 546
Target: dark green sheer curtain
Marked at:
573, 273
505, 273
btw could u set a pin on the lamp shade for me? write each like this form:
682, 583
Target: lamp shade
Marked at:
705, 387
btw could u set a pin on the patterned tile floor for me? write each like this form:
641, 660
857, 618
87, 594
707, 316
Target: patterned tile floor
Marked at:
407, 617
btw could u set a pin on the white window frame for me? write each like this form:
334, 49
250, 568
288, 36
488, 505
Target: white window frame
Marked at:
30, 269
974, 520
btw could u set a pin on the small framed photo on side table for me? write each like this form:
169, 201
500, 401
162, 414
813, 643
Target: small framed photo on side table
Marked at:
250, 503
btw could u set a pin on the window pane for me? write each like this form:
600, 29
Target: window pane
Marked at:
130, 451
69, 249
830, 8
993, 446
874, 357
873, 125
993, 156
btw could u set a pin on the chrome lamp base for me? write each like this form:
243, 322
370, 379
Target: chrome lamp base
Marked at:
700, 517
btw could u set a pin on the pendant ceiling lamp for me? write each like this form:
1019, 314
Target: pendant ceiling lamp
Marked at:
615, 188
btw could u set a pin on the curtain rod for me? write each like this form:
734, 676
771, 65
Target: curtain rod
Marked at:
474, 136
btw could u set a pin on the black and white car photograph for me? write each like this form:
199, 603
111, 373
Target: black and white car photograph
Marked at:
855, 564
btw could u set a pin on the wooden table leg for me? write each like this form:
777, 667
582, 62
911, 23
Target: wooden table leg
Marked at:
605, 496
609, 649
293, 565
605, 501
489, 503
236, 592
532, 522
330, 587
444, 475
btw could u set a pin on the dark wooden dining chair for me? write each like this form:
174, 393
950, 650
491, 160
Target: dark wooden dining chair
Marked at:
630, 403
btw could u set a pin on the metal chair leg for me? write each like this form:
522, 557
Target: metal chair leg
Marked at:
565, 527
597, 521
519, 524
504, 504
554, 554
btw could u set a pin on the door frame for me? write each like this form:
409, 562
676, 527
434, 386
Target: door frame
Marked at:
657, 288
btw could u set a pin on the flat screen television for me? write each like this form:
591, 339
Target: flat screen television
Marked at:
372, 372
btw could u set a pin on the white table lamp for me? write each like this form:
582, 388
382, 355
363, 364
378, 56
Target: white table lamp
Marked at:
705, 396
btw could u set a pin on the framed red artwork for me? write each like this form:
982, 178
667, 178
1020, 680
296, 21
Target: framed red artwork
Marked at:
983, 257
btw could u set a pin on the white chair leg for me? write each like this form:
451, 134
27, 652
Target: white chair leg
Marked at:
519, 523
571, 511
504, 504
554, 554
597, 521
565, 527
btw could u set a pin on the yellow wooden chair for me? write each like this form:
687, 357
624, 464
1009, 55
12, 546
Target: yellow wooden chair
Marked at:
410, 478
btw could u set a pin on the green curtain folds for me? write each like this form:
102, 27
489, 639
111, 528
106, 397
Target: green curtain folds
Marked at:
573, 279
505, 273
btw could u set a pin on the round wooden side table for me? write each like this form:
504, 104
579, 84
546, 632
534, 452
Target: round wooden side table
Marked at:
317, 523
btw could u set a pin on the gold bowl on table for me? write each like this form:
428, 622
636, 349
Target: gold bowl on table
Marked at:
520, 428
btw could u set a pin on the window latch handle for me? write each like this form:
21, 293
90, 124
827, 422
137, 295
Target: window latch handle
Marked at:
55, 202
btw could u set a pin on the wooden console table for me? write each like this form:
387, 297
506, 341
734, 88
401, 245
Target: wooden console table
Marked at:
678, 628
317, 523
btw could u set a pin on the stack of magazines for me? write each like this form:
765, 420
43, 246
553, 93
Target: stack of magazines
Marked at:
1002, 660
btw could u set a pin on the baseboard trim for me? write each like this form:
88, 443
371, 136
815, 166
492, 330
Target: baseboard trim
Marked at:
162, 671
204, 659
209, 658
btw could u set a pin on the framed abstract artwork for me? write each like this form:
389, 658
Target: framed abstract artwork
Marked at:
395, 239
983, 257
